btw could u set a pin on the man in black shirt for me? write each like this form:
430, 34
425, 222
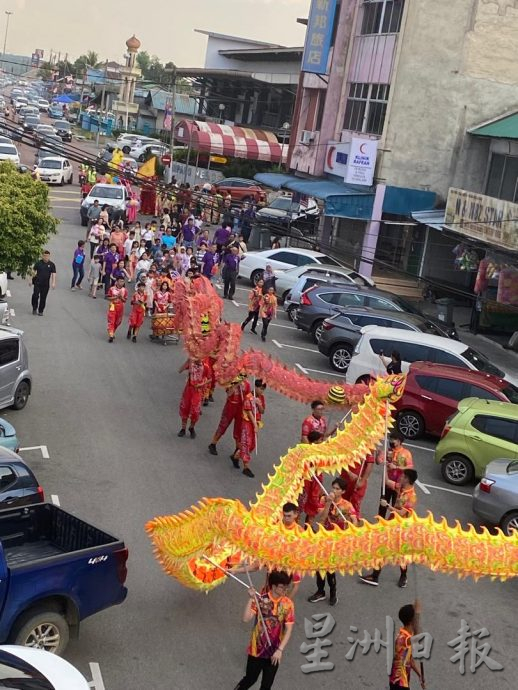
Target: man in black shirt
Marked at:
44, 277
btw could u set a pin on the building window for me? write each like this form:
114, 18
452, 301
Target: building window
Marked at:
366, 108
502, 181
381, 16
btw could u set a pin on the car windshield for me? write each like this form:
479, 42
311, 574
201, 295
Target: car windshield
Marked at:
327, 260
283, 203
106, 192
45, 128
32, 120
8, 150
48, 163
511, 393
481, 362
62, 125
430, 327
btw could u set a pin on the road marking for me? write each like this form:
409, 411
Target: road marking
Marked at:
97, 680
65, 207
55, 499
65, 191
423, 487
319, 371
12, 312
280, 325
236, 304
44, 450
8, 293
412, 445
450, 491
293, 347
299, 366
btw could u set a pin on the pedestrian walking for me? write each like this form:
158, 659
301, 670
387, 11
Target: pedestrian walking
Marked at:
137, 313
192, 396
404, 506
231, 412
94, 275
247, 440
403, 663
269, 278
94, 237
255, 299
78, 266
334, 510
273, 614
399, 458
43, 279
117, 296
230, 272
94, 213
268, 311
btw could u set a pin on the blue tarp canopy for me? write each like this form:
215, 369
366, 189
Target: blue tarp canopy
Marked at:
63, 99
351, 201
340, 200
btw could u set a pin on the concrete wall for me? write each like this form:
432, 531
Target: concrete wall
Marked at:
457, 68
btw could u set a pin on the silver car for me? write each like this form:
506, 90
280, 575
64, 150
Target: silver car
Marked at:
15, 377
495, 498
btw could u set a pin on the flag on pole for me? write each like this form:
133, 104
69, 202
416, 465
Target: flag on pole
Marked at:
168, 117
148, 169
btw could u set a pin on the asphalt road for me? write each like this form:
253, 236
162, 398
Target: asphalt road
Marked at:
108, 415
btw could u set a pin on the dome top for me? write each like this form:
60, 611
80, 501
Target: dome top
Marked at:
133, 43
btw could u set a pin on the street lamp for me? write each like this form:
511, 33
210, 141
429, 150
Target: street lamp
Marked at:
7, 28
221, 108
285, 127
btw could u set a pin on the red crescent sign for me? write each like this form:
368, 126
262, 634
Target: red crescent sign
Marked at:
330, 153
361, 148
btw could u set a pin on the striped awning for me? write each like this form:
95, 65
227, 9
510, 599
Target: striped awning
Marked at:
231, 141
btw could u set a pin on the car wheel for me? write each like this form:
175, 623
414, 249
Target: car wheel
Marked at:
141, 158
46, 630
410, 424
126, 150
256, 277
21, 396
316, 330
340, 358
509, 524
62, 183
366, 379
457, 469
71, 179
291, 310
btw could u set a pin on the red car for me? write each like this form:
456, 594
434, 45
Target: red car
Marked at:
433, 391
241, 189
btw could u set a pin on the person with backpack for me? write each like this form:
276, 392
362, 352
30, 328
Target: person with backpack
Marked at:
78, 266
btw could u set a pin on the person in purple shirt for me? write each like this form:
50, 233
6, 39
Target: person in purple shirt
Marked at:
188, 233
222, 235
229, 273
210, 259
111, 259
78, 266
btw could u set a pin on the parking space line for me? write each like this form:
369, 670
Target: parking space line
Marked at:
412, 445
318, 371
236, 304
97, 680
293, 347
12, 312
55, 499
450, 491
281, 325
423, 487
8, 293
299, 366
44, 450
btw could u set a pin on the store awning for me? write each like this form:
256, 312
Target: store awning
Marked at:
340, 200
503, 127
434, 219
231, 141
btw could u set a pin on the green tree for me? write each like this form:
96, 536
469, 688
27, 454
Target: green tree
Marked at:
25, 221
143, 61
90, 59
45, 71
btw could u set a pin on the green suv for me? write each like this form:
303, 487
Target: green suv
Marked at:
481, 431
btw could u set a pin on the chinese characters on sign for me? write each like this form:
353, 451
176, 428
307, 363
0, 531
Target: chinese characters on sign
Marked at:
318, 36
362, 161
468, 648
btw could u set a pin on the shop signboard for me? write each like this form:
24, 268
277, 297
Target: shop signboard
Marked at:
491, 220
362, 161
337, 155
318, 36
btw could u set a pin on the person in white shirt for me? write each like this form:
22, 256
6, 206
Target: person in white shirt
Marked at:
128, 244
94, 237
143, 264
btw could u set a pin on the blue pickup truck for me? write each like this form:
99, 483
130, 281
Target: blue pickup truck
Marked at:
55, 570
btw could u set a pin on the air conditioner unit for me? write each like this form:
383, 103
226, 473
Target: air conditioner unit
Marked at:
306, 137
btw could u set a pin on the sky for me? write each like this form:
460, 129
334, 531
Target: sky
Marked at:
75, 26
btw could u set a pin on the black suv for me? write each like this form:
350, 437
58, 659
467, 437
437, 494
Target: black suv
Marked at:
63, 129
341, 332
318, 303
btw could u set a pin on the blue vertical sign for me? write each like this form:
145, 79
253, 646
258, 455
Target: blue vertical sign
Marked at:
318, 36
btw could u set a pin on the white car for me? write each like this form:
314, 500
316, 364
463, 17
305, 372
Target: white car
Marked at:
253, 264
141, 151
55, 170
29, 667
43, 105
9, 152
413, 346
288, 279
3, 284
114, 196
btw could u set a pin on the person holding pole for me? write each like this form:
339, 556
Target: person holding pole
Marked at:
334, 510
398, 459
247, 435
273, 614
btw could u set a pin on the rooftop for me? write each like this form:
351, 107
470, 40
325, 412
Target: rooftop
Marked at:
503, 127
227, 37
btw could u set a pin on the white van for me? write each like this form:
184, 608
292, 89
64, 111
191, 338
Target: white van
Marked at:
413, 346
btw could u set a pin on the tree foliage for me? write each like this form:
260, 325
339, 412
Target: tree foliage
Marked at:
25, 221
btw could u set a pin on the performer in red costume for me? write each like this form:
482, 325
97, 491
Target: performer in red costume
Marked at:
247, 439
232, 411
209, 391
357, 478
117, 296
192, 396
137, 313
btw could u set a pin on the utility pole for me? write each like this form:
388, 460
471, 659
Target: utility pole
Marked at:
8, 14
103, 94
173, 114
